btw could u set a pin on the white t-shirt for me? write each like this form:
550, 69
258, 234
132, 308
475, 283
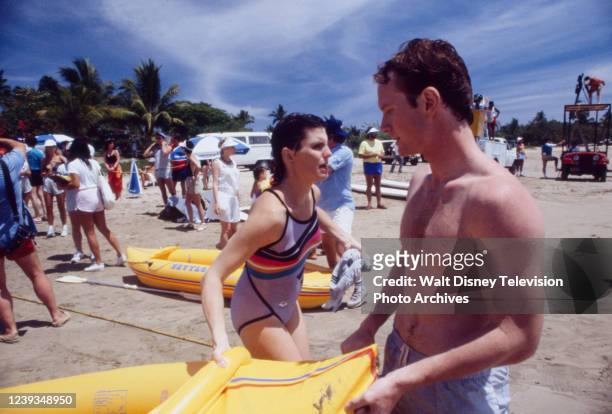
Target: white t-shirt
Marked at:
87, 175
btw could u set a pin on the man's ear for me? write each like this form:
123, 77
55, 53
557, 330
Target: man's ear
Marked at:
431, 100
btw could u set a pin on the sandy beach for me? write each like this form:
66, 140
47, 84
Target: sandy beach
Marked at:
111, 328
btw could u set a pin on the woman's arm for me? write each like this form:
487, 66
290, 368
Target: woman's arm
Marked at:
116, 152
148, 152
264, 226
215, 189
166, 148
75, 181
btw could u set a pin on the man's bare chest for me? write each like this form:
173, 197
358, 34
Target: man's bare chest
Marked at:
432, 216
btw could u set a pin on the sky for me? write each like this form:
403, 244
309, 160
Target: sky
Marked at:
313, 56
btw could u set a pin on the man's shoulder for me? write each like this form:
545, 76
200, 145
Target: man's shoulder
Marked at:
343, 150
498, 205
14, 158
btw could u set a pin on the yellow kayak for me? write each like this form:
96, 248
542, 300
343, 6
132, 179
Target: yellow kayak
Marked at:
179, 269
246, 385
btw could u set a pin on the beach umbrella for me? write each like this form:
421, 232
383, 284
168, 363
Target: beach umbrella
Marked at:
134, 185
206, 147
59, 138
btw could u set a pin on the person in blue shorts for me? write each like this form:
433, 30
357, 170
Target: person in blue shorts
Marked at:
371, 151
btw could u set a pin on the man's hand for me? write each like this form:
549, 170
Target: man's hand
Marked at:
358, 339
379, 398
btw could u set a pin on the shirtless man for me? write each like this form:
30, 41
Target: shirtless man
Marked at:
447, 363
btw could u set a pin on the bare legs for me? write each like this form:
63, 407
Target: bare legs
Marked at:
161, 183
77, 238
227, 231
194, 199
37, 202
89, 222
328, 243
32, 267
377, 179
270, 339
61, 206
100, 221
369, 182
86, 221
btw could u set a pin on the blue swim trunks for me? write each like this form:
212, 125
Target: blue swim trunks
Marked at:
486, 391
372, 168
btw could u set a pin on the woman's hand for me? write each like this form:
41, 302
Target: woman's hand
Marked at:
220, 348
217, 210
346, 242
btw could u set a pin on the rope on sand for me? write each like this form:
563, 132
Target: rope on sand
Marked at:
128, 324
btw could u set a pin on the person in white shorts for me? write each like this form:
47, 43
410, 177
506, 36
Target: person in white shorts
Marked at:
87, 202
226, 182
54, 163
193, 187
336, 197
161, 150
24, 180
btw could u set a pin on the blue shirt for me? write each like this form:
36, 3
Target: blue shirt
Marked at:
547, 149
35, 157
336, 189
8, 226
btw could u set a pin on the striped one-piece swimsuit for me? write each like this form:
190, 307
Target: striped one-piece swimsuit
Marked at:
272, 278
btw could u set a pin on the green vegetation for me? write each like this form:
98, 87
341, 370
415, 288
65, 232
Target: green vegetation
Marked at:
81, 104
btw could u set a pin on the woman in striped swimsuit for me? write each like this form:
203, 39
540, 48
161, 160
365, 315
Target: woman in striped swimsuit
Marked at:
282, 229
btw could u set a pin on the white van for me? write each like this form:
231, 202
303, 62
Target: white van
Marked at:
499, 150
261, 149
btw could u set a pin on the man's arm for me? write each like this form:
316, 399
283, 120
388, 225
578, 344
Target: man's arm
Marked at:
514, 340
11, 145
339, 159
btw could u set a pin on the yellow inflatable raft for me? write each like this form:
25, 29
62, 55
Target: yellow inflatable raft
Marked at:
179, 269
246, 385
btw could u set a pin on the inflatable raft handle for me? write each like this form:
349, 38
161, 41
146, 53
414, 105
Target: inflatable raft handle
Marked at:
204, 387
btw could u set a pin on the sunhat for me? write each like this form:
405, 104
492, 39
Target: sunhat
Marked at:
228, 143
334, 126
50, 143
372, 130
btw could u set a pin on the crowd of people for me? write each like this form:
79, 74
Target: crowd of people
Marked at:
433, 363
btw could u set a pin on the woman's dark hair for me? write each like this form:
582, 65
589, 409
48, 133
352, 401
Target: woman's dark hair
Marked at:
423, 62
108, 142
31, 141
289, 133
79, 149
259, 169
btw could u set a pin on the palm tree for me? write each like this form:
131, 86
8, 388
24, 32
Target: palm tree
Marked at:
244, 118
84, 74
278, 114
85, 103
146, 99
78, 110
5, 89
48, 84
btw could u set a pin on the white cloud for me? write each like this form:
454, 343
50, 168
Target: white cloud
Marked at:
231, 45
319, 55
